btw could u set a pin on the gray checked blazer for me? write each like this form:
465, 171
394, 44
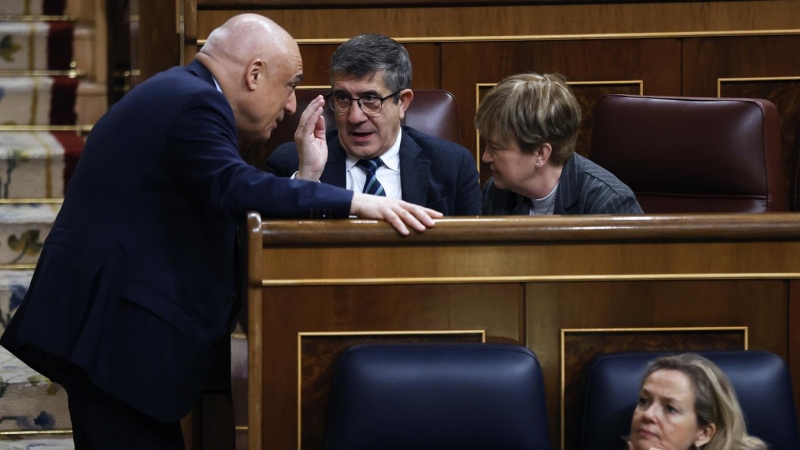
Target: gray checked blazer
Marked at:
584, 188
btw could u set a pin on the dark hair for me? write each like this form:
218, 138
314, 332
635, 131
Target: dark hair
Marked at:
368, 54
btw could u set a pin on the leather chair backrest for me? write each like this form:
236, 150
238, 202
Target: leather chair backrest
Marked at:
437, 396
684, 155
795, 201
433, 112
761, 381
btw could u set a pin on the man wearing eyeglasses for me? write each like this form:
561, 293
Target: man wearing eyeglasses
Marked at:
371, 152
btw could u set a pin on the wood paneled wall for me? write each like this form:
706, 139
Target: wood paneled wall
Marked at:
568, 288
726, 48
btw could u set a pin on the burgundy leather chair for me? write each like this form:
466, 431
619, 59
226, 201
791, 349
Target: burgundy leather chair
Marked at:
795, 202
432, 112
692, 155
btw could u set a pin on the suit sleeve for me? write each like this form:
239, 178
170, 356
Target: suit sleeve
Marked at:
468, 195
202, 155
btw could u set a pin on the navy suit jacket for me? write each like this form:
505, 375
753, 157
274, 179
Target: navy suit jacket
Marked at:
584, 188
137, 279
434, 172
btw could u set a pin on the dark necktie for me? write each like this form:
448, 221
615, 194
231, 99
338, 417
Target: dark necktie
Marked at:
372, 185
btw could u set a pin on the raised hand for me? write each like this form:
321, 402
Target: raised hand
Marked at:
312, 150
397, 212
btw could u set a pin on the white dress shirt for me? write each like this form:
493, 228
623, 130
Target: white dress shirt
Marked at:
388, 174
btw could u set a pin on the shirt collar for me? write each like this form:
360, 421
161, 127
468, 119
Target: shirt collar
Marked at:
216, 84
391, 159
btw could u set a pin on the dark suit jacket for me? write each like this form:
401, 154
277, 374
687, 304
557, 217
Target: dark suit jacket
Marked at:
136, 280
584, 188
433, 172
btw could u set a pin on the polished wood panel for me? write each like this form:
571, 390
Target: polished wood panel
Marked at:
527, 20
495, 308
551, 307
549, 274
656, 62
399, 3
504, 230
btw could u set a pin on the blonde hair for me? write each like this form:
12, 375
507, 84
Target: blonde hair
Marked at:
530, 110
715, 401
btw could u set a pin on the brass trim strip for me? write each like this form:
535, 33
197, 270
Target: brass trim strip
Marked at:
302, 334
32, 18
19, 201
242, 428
617, 330
739, 80
313, 87
530, 279
17, 266
478, 87
80, 128
72, 73
238, 336
33, 432
560, 37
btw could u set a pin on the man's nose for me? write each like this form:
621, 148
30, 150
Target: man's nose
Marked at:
291, 104
356, 115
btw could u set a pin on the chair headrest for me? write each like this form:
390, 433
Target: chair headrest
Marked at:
761, 381
682, 154
437, 396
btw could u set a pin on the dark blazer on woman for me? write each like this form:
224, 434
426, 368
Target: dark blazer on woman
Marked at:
584, 188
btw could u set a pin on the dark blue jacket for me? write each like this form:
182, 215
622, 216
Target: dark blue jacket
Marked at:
137, 279
434, 172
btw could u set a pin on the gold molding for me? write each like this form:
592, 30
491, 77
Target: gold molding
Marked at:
21, 201
17, 266
32, 18
746, 79
79, 128
72, 73
303, 334
238, 336
33, 432
478, 87
531, 279
242, 428
564, 331
313, 87
559, 37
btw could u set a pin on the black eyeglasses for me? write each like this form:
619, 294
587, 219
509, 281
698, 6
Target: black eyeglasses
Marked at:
371, 105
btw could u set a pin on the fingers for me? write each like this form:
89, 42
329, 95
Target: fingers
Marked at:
309, 119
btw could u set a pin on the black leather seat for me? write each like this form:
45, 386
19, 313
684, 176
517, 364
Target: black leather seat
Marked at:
685, 155
437, 396
761, 381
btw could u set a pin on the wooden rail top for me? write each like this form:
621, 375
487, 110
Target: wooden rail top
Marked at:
683, 227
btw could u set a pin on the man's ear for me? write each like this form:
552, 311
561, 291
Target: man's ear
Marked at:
406, 97
542, 153
256, 73
705, 434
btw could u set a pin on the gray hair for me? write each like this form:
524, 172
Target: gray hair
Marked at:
368, 54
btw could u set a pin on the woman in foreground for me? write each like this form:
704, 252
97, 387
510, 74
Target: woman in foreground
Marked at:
686, 402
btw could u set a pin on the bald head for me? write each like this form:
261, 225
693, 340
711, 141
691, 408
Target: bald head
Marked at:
244, 38
257, 65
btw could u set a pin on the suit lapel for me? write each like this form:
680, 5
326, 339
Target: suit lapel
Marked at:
415, 171
335, 169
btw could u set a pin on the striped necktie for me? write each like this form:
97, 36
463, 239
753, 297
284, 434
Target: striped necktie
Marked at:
372, 185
